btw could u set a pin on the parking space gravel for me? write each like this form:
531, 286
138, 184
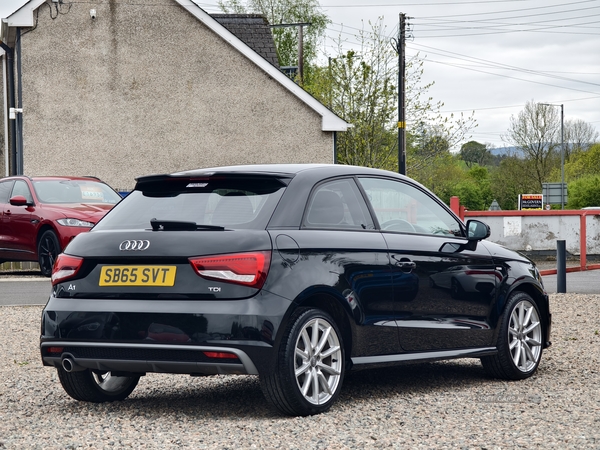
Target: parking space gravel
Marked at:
450, 404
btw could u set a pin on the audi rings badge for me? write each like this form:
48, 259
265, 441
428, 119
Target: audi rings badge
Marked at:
134, 245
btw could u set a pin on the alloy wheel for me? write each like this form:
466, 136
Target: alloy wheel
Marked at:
318, 361
525, 336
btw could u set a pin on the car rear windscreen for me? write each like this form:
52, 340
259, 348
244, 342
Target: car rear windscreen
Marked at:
231, 203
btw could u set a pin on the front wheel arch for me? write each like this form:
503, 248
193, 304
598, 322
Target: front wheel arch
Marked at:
536, 292
519, 341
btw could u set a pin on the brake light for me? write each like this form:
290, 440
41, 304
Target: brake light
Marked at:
65, 267
247, 269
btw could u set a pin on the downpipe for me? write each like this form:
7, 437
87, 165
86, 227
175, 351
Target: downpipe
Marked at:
69, 365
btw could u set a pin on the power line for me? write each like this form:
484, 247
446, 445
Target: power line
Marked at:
482, 2
515, 10
493, 64
514, 106
539, 22
513, 78
475, 23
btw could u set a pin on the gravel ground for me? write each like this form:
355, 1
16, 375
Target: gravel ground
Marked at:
449, 404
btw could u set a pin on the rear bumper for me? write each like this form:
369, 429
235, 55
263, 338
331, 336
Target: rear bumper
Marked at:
145, 358
168, 336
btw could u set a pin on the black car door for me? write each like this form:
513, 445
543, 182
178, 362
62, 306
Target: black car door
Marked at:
338, 250
443, 291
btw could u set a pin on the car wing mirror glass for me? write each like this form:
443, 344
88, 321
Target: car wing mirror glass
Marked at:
477, 230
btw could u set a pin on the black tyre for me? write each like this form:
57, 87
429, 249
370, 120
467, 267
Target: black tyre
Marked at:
520, 340
310, 365
96, 387
48, 249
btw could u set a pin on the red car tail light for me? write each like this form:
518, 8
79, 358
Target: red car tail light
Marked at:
247, 269
65, 267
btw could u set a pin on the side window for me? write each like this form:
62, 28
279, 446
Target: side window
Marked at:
337, 204
405, 208
21, 188
5, 188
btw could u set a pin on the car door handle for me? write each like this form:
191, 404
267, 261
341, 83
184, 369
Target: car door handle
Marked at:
405, 264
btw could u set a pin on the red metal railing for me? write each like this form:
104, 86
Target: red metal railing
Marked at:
462, 212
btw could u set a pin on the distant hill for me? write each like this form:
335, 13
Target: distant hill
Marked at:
507, 151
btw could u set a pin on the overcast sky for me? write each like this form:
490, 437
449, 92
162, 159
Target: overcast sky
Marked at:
487, 56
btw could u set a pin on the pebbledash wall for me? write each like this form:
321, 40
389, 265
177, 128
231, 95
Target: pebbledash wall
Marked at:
540, 230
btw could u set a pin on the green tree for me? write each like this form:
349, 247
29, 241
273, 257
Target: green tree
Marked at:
535, 132
441, 176
578, 136
473, 152
361, 86
582, 163
287, 12
584, 192
511, 178
474, 190
425, 146
363, 93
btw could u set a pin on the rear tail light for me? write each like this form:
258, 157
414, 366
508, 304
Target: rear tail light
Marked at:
65, 267
247, 269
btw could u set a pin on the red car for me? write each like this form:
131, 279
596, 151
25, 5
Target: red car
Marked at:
39, 216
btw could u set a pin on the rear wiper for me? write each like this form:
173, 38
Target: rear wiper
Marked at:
175, 225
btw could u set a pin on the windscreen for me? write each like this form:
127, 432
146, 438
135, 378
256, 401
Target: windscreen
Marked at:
229, 203
74, 191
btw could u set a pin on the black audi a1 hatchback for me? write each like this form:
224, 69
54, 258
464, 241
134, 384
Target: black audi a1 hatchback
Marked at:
294, 273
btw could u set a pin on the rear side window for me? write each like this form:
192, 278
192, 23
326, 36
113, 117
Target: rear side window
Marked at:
337, 204
234, 204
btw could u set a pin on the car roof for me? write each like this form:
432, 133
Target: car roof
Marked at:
286, 170
50, 177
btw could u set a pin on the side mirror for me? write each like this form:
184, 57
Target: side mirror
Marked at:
18, 200
477, 230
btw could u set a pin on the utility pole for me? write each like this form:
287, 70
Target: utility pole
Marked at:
400, 47
301, 54
300, 45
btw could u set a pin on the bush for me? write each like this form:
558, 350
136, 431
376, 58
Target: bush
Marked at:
584, 192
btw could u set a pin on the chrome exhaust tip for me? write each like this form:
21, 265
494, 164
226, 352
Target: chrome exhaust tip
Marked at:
70, 366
